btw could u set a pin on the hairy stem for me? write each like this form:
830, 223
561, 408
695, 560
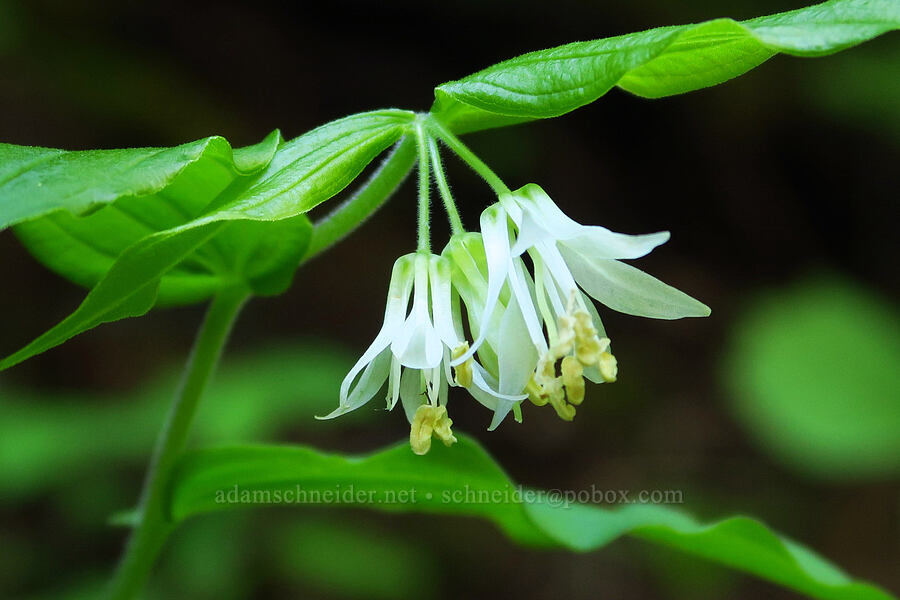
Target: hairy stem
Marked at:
456, 225
469, 157
424, 189
368, 198
154, 526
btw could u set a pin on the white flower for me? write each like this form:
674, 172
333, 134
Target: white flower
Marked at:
561, 323
413, 350
506, 356
535, 336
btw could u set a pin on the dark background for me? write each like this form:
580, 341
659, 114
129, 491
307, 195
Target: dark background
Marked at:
788, 172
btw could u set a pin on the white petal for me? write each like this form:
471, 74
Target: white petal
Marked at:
402, 277
394, 314
557, 268
486, 384
495, 234
530, 232
418, 345
441, 310
517, 356
592, 240
371, 380
544, 211
517, 282
600, 242
629, 290
503, 408
546, 288
382, 341
393, 383
412, 392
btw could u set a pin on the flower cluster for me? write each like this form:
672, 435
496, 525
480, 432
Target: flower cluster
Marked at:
505, 314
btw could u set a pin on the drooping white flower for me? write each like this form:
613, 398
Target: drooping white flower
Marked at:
506, 356
564, 328
421, 333
594, 254
535, 333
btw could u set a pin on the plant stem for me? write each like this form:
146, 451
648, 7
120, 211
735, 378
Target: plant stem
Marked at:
154, 525
424, 190
467, 155
456, 225
367, 199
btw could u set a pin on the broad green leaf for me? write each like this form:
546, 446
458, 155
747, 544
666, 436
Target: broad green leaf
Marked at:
84, 248
813, 377
236, 230
654, 63
38, 181
128, 290
464, 480
312, 168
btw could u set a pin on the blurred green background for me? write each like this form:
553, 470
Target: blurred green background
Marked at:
780, 189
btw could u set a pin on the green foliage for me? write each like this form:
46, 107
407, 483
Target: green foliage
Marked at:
464, 480
253, 396
813, 375
38, 181
241, 223
154, 226
151, 226
654, 63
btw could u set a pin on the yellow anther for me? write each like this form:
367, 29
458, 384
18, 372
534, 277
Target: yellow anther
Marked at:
463, 371
573, 379
584, 326
442, 429
608, 367
533, 389
545, 370
587, 345
565, 410
565, 336
428, 420
588, 351
604, 344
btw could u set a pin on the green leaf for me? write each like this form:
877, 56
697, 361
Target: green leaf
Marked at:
813, 377
38, 181
128, 290
464, 480
654, 63
208, 226
84, 248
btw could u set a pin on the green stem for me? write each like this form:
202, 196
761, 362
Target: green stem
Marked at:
456, 225
369, 198
154, 525
467, 155
424, 190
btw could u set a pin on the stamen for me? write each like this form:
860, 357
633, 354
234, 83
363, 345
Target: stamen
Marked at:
463, 371
587, 345
566, 336
430, 420
573, 379
557, 400
608, 366
533, 389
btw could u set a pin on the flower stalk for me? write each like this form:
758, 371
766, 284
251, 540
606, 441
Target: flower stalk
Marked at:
469, 157
154, 525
